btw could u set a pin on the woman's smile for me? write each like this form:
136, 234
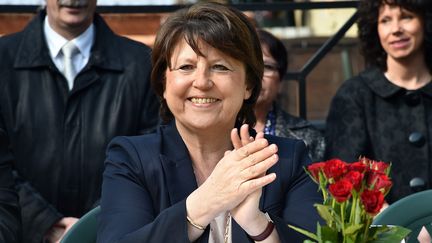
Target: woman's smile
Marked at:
401, 43
202, 101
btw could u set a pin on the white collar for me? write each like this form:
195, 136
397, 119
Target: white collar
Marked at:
55, 41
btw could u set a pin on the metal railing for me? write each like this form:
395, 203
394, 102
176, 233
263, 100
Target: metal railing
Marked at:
300, 76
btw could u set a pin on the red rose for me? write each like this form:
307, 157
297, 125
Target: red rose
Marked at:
355, 178
379, 181
341, 190
357, 166
365, 161
372, 200
314, 169
379, 166
334, 168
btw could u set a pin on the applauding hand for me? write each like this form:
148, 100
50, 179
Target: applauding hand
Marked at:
247, 214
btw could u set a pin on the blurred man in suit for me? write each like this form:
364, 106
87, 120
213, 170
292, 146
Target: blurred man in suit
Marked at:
68, 86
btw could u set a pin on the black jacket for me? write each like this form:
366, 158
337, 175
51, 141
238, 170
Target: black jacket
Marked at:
9, 211
370, 116
56, 138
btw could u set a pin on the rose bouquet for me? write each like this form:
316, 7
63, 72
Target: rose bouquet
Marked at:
353, 193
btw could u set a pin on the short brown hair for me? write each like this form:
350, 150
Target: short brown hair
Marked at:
220, 26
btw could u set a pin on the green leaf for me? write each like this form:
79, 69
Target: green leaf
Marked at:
353, 229
327, 234
324, 212
305, 232
350, 240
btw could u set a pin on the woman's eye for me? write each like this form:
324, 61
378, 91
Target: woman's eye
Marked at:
219, 67
270, 67
186, 67
407, 16
384, 20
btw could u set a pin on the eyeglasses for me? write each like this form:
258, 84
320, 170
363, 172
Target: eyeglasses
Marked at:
270, 69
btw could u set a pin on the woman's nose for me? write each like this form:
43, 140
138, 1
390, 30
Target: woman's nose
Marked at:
202, 79
396, 27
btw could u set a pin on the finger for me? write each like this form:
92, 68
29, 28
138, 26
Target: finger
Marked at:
259, 156
257, 183
227, 152
235, 139
70, 222
244, 134
56, 234
251, 148
259, 135
259, 169
61, 237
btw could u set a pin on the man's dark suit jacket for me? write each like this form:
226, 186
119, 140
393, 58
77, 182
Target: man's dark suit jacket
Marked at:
56, 138
148, 178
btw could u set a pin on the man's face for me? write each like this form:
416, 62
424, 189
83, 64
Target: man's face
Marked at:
70, 17
73, 3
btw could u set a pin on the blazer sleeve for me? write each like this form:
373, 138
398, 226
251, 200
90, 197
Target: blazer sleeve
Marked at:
301, 193
10, 223
127, 209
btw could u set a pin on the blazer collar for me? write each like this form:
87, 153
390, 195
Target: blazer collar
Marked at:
380, 85
107, 47
33, 50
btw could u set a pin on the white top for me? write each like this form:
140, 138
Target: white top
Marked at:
55, 42
218, 228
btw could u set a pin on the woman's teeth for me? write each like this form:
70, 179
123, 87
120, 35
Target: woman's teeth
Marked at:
203, 100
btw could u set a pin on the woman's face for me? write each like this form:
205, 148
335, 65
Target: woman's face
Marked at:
204, 91
400, 31
271, 79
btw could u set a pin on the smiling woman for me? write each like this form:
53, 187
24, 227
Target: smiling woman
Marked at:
205, 176
385, 112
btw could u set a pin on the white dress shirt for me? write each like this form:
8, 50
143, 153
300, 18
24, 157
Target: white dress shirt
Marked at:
55, 42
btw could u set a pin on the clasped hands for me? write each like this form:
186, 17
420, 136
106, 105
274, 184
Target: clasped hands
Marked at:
236, 183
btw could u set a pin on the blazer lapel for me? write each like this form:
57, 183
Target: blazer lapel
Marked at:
178, 170
177, 165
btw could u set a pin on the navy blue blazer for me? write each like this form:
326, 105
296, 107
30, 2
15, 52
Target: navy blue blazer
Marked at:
147, 179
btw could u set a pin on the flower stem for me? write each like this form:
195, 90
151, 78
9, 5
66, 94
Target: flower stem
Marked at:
324, 193
353, 209
366, 232
332, 212
343, 221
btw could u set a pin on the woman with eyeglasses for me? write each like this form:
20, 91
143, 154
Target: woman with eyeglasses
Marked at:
271, 118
